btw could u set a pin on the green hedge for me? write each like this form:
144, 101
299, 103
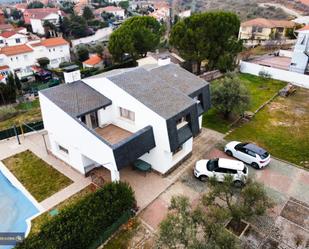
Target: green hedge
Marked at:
82, 224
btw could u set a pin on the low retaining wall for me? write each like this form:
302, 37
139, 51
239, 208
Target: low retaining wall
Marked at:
297, 79
100, 35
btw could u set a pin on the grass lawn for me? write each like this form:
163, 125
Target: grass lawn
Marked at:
282, 128
38, 177
26, 112
260, 91
38, 222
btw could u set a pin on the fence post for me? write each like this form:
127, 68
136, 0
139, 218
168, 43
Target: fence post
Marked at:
16, 134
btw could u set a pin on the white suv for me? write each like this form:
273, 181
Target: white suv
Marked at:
219, 168
248, 153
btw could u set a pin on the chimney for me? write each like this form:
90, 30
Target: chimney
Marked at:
162, 61
71, 74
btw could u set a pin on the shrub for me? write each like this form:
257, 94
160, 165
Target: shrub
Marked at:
81, 224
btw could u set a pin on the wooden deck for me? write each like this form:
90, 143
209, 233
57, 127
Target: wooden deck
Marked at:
113, 133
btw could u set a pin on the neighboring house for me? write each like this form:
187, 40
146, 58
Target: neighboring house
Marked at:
116, 11
302, 20
37, 17
261, 29
21, 58
94, 61
6, 27
117, 117
161, 13
12, 38
299, 62
184, 14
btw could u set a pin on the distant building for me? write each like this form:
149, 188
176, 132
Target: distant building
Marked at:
94, 61
21, 58
12, 38
184, 14
116, 11
261, 29
37, 17
302, 20
299, 62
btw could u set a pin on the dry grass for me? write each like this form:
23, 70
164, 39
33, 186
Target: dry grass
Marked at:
38, 177
282, 128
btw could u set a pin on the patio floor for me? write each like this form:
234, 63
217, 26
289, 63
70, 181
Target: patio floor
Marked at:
113, 133
279, 62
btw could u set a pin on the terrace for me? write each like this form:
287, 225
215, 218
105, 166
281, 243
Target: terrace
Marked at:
112, 133
279, 62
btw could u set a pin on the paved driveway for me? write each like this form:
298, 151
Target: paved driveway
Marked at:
280, 179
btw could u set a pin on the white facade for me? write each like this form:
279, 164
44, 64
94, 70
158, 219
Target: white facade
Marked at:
37, 24
13, 40
299, 62
21, 62
82, 147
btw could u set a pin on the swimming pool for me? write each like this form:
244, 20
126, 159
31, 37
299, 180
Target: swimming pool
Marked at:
15, 208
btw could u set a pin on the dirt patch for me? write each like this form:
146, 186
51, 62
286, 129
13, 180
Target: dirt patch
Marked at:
276, 106
270, 244
235, 227
296, 213
290, 234
253, 237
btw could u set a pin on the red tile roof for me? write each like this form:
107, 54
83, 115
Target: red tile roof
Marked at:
111, 8
93, 60
306, 2
40, 13
14, 50
52, 42
6, 27
7, 34
4, 67
268, 23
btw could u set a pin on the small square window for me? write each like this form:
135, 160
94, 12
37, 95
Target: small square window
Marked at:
17, 40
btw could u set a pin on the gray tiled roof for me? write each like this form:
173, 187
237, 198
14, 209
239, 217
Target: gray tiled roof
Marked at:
179, 78
153, 92
76, 98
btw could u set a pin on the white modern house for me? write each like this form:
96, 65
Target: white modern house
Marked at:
37, 17
110, 120
299, 62
20, 58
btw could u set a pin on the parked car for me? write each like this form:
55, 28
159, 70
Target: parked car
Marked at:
248, 153
219, 168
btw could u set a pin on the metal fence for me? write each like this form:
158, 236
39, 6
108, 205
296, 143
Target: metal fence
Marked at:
111, 230
22, 129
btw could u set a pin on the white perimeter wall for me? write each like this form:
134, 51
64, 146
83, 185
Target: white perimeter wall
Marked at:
66, 131
278, 74
286, 53
100, 34
160, 157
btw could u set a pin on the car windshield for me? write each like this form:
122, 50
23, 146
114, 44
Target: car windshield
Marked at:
212, 164
264, 155
239, 146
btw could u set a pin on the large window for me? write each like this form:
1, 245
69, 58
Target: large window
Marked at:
124, 113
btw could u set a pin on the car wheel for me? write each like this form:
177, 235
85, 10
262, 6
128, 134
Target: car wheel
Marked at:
255, 165
229, 153
238, 184
203, 178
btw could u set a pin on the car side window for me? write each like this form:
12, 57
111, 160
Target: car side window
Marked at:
251, 153
221, 170
231, 171
242, 150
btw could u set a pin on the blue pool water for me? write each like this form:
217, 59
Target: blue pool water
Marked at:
15, 208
